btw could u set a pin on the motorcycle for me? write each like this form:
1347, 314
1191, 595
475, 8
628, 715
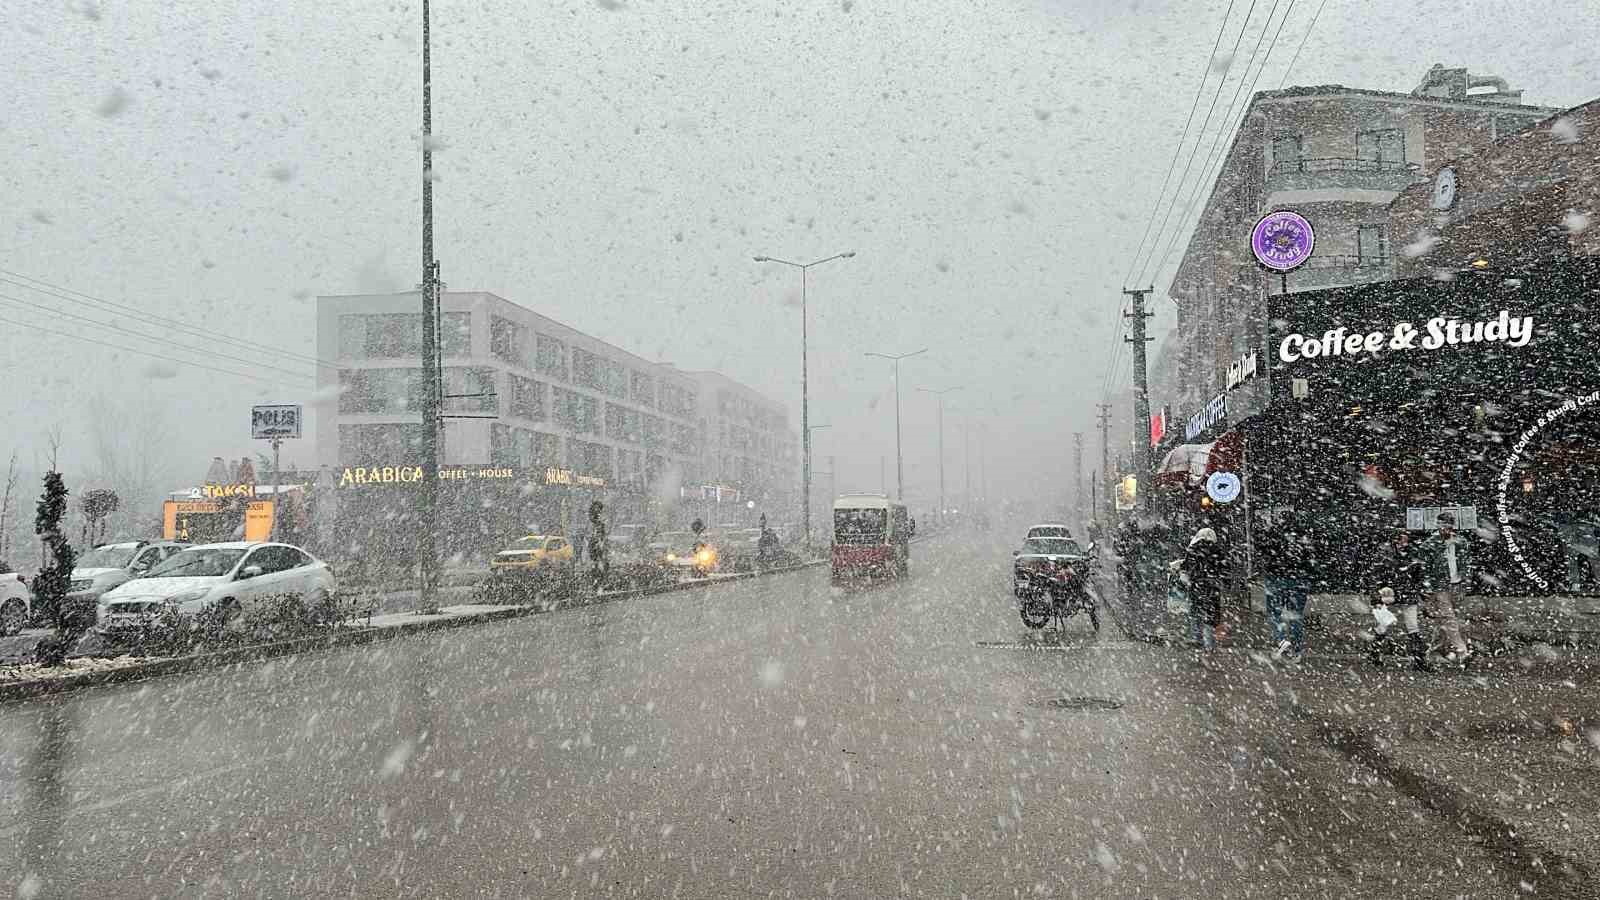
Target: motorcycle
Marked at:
1056, 590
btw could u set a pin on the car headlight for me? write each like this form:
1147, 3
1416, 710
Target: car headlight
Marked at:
704, 557
672, 557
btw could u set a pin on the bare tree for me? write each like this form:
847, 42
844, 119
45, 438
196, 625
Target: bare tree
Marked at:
5, 504
130, 457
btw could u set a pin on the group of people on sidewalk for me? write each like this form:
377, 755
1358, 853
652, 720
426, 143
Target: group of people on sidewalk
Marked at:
1436, 570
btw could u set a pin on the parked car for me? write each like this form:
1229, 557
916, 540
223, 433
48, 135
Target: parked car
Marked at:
533, 552
223, 582
108, 566
1048, 530
16, 604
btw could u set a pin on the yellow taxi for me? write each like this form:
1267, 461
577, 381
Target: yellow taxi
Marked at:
533, 552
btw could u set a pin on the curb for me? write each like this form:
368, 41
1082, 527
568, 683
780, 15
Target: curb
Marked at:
1553, 872
18, 691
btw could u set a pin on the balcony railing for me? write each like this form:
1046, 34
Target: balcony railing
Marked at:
1336, 164
1347, 262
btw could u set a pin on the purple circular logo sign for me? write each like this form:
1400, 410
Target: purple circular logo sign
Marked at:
1282, 240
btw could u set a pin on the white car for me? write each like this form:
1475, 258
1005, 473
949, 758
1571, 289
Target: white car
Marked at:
1048, 530
229, 579
16, 601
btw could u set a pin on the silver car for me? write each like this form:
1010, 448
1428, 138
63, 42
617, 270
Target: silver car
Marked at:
112, 565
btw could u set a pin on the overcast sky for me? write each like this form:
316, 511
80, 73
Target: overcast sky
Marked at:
615, 165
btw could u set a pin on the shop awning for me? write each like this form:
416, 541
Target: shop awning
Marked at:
1183, 464
1226, 454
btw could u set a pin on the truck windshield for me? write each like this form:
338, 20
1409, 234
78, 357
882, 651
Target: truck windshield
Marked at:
858, 526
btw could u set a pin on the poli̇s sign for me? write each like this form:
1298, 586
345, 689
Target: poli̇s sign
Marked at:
275, 422
1282, 240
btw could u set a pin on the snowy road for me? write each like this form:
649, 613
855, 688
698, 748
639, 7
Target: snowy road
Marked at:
772, 737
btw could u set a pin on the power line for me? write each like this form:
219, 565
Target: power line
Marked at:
1203, 125
181, 362
1178, 150
1305, 37
7, 298
1216, 142
61, 292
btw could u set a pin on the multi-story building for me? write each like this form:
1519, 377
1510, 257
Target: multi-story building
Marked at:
747, 439
1337, 156
559, 415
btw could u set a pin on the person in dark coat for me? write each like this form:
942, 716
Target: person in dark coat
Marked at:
1282, 553
1201, 571
1405, 574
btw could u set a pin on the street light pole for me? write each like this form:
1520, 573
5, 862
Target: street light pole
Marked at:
428, 490
940, 395
899, 463
819, 428
805, 392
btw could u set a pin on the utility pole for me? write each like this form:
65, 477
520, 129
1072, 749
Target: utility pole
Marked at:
1141, 388
940, 395
1077, 470
428, 493
1105, 460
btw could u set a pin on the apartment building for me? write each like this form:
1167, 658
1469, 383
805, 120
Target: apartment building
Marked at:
748, 444
1338, 156
541, 418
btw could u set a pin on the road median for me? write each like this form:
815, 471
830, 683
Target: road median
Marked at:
26, 682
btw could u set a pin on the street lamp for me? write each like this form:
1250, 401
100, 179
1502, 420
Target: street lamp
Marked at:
829, 473
940, 395
899, 465
805, 412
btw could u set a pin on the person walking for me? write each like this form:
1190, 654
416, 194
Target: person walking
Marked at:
1201, 571
1282, 553
1447, 573
1405, 573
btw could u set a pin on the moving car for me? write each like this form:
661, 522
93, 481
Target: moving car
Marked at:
16, 604
112, 565
535, 551
1049, 530
226, 581
678, 549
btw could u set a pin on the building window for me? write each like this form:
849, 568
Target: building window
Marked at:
654, 431
550, 357
1372, 245
677, 400
613, 379
380, 391
392, 336
507, 340
585, 369
1386, 147
527, 398
469, 390
643, 390
589, 458
1286, 153
455, 334
623, 424
683, 440
385, 445
575, 411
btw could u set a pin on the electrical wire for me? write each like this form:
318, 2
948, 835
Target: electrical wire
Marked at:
1234, 109
1203, 126
1182, 139
156, 356
76, 296
1303, 39
7, 298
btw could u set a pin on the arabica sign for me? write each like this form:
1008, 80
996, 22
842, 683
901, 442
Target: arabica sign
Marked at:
1211, 414
1439, 331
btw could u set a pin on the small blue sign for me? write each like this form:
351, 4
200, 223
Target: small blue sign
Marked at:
1223, 487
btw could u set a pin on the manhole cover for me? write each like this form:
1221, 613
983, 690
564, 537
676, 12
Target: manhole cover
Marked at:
1088, 704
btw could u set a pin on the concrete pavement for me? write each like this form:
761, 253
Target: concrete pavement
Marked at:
770, 737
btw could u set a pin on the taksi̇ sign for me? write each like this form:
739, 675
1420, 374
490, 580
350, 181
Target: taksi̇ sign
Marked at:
1437, 332
1209, 415
275, 422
